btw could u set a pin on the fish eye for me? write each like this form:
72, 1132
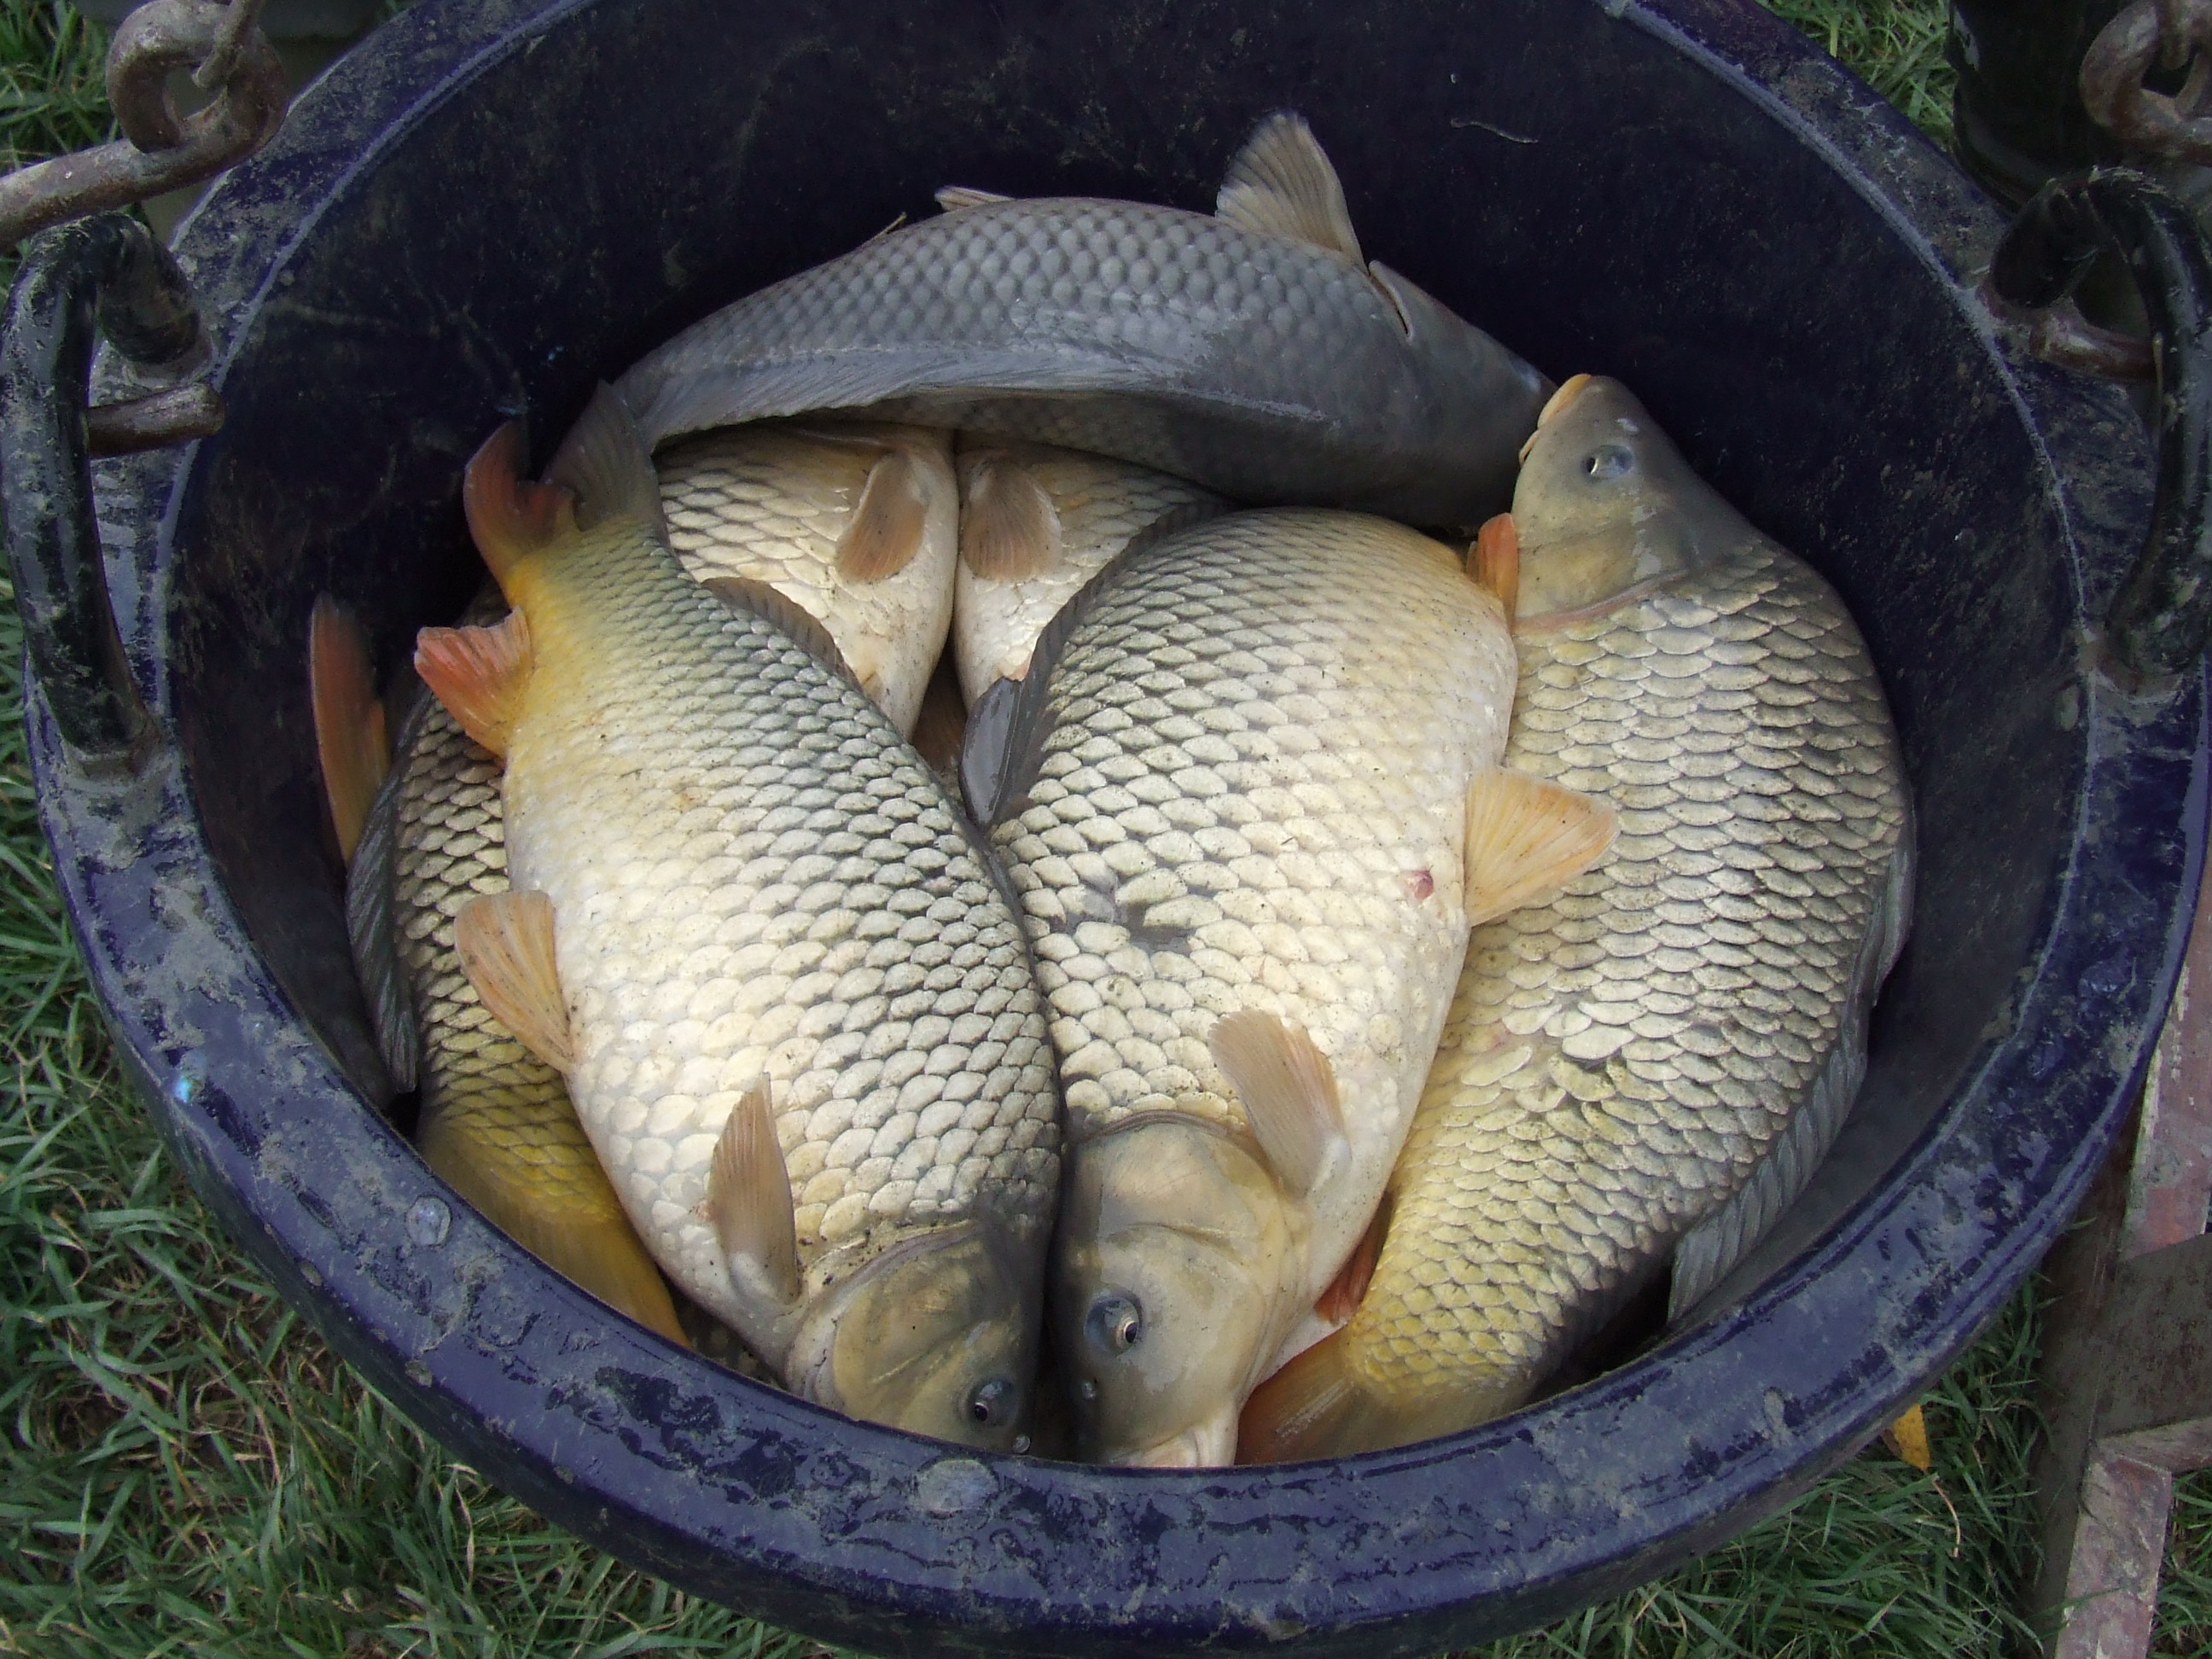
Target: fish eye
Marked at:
1609, 461
1115, 1323
992, 1403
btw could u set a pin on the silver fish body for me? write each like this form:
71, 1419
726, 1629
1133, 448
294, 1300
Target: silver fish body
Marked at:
793, 1005
1260, 363
1246, 801
1649, 1066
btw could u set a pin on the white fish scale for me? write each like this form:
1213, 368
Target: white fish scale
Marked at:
779, 888
1617, 1060
770, 503
1343, 690
1102, 504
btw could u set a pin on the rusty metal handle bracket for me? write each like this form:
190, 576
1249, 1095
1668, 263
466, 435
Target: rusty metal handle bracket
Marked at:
2158, 624
160, 149
107, 271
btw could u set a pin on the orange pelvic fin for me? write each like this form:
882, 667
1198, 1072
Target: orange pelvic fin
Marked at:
349, 731
1525, 839
505, 941
510, 516
480, 674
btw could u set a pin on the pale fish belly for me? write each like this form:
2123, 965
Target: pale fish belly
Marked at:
778, 504
1251, 796
751, 877
1617, 1062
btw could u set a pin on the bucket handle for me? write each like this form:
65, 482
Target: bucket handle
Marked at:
107, 270
2157, 627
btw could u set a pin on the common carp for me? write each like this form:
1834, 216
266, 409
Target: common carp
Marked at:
1249, 796
421, 838
792, 1006
1036, 524
857, 524
1253, 352
1649, 1067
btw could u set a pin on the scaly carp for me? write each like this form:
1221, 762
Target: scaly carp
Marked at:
1649, 1066
495, 1120
857, 524
1254, 352
1249, 798
793, 1006
1036, 524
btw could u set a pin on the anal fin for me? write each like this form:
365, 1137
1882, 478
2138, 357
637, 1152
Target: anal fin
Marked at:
1288, 1091
749, 1195
351, 741
1525, 839
480, 674
505, 941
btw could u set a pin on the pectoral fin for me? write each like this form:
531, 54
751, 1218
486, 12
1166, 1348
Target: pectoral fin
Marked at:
1288, 1091
1281, 183
886, 529
505, 946
350, 733
1494, 562
1525, 839
1341, 1299
749, 1195
480, 674
1008, 528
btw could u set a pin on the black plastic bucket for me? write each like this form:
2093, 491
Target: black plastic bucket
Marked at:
497, 202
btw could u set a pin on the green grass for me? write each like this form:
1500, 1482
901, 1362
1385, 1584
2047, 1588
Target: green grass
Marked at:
186, 1469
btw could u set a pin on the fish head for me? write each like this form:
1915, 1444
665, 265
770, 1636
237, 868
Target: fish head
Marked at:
937, 1335
1173, 1277
1606, 506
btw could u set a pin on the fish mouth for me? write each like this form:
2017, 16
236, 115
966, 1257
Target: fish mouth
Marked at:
1208, 1445
808, 1370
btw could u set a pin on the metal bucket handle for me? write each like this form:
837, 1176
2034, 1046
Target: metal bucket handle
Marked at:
110, 272
2158, 623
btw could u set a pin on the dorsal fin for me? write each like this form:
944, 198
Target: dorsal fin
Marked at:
369, 897
887, 523
1281, 183
1288, 1091
349, 728
749, 1195
1525, 839
756, 597
605, 462
953, 197
1009, 527
505, 942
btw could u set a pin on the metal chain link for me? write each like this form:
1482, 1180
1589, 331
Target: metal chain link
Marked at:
2145, 35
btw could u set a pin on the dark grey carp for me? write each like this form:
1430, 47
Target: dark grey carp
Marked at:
1253, 352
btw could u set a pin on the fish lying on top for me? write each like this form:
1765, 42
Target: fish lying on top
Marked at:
1253, 352
857, 524
792, 1006
1249, 795
495, 1122
1036, 524
1649, 1066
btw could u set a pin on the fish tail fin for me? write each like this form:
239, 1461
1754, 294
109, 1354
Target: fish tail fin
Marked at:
590, 1241
510, 516
605, 460
351, 741
1304, 1410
